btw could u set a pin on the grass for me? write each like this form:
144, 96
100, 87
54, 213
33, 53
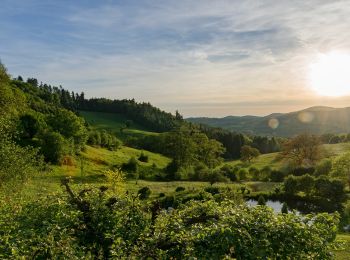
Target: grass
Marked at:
329, 151
343, 253
94, 161
114, 123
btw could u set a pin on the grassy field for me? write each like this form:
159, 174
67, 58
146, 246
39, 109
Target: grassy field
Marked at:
114, 123
270, 159
343, 253
94, 161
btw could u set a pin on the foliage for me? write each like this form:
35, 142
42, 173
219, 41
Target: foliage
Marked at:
131, 166
284, 208
249, 153
303, 149
327, 188
53, 146
218, 230
103, 139
180, 188
261, 201
143, 157
144, 193
324, 167
341, 167
115, 178
94, 224
17, 164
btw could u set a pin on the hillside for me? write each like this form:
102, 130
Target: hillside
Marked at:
315, 120
115, 123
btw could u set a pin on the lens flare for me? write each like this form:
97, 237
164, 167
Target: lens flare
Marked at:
273, 123
306, 117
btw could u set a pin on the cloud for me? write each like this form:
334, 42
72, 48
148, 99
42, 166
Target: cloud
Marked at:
176, 52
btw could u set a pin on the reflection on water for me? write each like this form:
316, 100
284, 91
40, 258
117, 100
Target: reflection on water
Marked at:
275, 205
300, 207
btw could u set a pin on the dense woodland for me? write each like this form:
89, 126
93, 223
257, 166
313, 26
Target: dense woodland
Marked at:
41, 127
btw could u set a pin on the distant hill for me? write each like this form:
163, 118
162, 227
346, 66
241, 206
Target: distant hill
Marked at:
315, 120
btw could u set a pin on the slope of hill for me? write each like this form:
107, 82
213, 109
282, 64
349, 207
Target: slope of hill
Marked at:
115, 123
316, 120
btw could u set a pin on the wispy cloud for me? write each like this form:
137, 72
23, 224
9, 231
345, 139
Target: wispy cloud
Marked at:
176, 52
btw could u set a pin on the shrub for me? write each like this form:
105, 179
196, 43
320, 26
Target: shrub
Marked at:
178, 189
284, 208
92, 225
242, 174
161, 195
323, 168
277, 176
53, 146
143, 157
229, 171
300, 171
130, 166
254, 173
261, 201
212, 190
216, 176
144, 193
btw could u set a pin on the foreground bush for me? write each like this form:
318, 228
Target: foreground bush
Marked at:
99, 225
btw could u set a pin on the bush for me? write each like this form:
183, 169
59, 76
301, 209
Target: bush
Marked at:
92, 225
54, 147
300, 171
254, 173
212, 190
261, 201
242, 174
130, 166
178, 189
323, 168
144, 193
143, 157
229, 171
277, 176
216, 176
161, 195
17, 164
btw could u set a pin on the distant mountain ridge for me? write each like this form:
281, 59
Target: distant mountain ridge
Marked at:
315, 120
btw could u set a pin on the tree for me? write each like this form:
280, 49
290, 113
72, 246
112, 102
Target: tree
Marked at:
323, 168
261, 201
290, 185
53, 146
303, 149
248, 153
341, 167
216, 176
284, 209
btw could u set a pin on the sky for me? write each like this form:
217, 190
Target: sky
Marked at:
201, 57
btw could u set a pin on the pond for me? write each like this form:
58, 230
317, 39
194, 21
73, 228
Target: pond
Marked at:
300, 207
275, 205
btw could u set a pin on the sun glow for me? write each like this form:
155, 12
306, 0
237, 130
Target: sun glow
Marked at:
330, 74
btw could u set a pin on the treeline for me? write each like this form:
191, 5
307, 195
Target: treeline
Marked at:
39, 122
233, 142
103, 139
143, 113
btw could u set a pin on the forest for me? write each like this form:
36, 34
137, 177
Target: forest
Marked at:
95, 178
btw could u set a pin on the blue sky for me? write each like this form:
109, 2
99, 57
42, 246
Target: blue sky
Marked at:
204, 58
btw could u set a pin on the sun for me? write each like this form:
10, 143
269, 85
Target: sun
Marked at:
330, 74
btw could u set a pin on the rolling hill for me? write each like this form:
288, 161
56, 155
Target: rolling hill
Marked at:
315, 120
114, 122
